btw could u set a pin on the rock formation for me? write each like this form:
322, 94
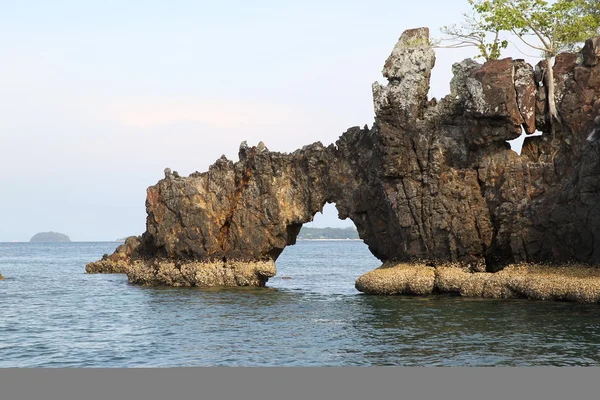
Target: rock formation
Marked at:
433, 182
118, 262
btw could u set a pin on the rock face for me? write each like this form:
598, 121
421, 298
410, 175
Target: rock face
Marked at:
50, 237
433, 182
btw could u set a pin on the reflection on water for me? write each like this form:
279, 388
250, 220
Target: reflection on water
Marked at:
449, 330
53, 315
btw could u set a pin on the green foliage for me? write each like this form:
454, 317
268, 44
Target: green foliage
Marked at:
558, 26
591, 9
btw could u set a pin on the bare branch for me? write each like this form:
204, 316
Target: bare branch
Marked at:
524, 41
454, 46
521, 51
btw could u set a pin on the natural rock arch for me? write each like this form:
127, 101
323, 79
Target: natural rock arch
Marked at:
433, 181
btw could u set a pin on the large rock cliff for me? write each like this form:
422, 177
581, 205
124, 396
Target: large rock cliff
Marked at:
431, 181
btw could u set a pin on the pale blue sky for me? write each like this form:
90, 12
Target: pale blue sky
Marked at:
98, 97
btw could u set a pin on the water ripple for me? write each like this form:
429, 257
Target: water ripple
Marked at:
54, 315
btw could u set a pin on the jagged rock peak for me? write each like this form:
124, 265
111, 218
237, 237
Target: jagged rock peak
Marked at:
406, 55
408, 69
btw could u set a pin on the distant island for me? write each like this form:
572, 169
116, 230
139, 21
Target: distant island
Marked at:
49, 237
327, 233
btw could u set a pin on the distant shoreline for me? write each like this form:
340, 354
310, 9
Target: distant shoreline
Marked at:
309, 233
328, 240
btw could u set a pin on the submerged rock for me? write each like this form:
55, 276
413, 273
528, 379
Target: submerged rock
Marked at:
432, 182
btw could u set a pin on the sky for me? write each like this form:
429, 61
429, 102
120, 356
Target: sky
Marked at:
97, 98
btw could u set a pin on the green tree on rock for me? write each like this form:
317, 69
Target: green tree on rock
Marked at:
550, 27
591, 8
473, 32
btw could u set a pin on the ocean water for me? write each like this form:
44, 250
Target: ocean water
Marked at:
54, 315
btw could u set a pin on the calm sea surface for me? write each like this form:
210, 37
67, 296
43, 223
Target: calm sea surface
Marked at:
54, 315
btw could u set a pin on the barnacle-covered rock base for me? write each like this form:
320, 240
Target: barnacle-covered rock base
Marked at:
579, 283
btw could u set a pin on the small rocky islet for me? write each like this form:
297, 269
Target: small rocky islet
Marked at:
50, 237
432, 187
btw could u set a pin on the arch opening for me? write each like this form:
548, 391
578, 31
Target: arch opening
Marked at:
327, 258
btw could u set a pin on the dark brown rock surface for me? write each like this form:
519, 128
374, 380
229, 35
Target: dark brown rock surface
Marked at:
431, 181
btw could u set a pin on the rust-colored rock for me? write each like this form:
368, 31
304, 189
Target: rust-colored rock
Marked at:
431, 181
526, 88
497, 79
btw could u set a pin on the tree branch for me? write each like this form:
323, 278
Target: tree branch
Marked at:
528, 44
531, 26
455, 46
